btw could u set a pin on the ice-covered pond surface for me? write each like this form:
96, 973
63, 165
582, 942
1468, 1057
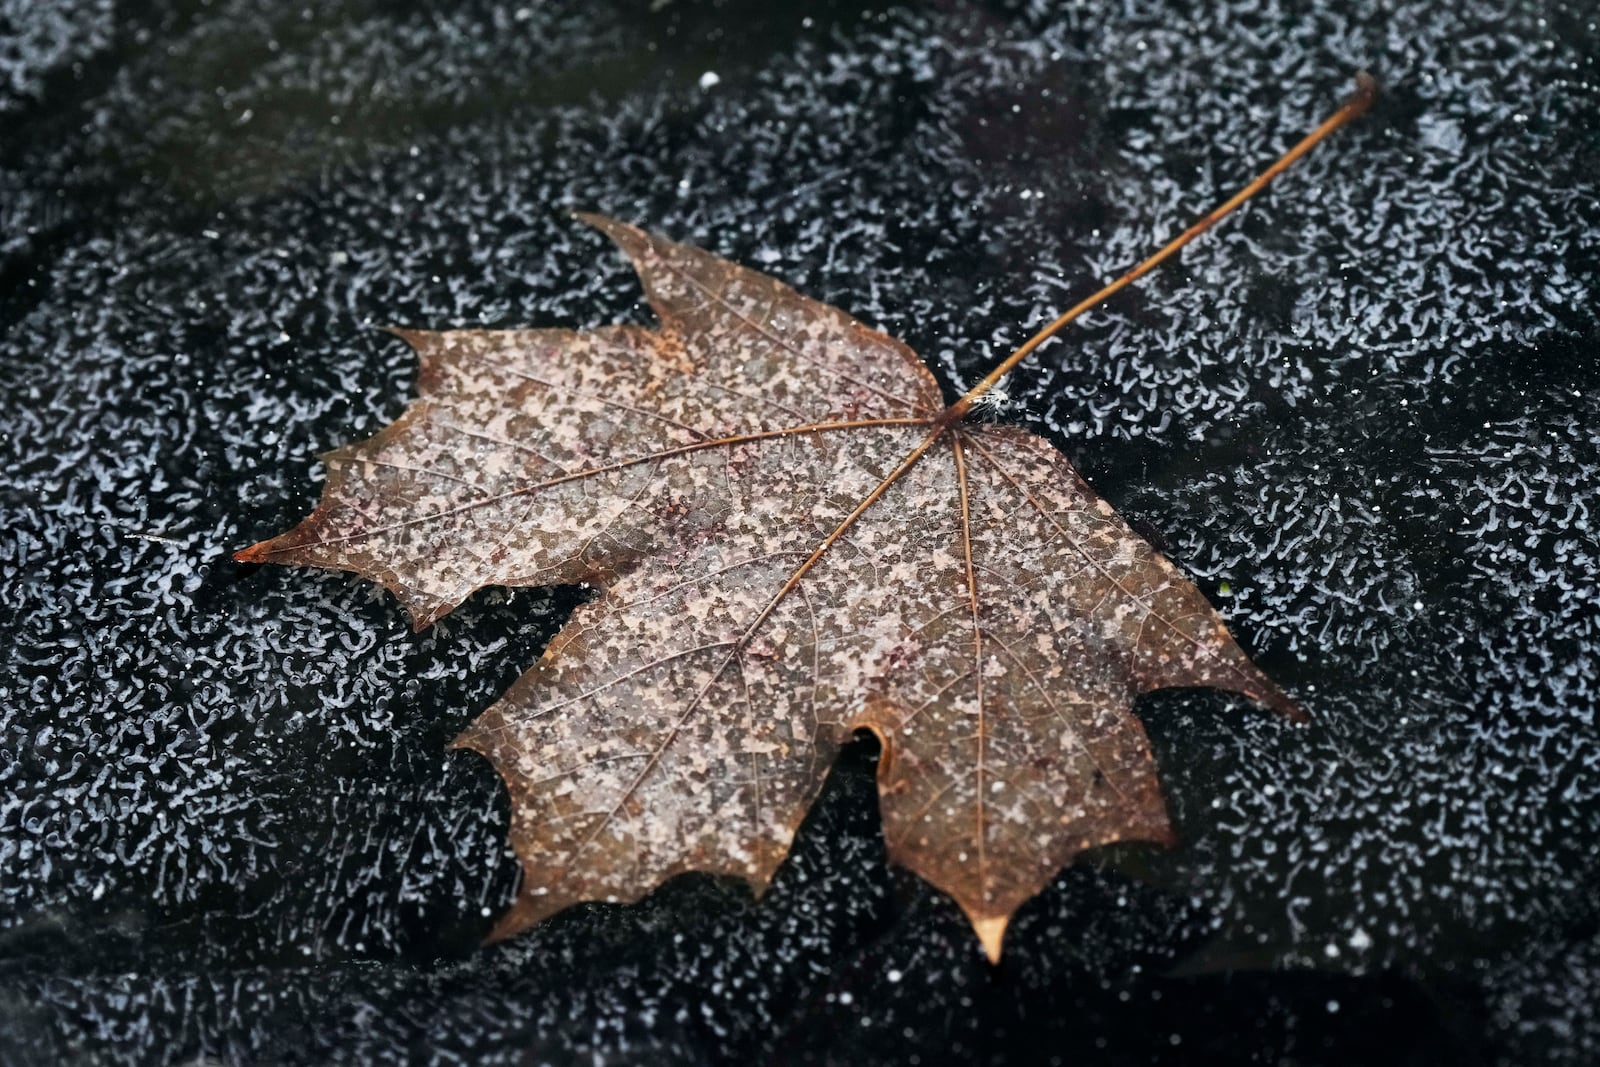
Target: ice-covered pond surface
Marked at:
1363, 416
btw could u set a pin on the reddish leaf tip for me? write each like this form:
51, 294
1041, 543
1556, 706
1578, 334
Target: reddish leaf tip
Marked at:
256, 553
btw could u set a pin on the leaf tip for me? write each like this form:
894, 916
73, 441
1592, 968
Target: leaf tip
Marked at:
1275, 699
604, 223
282, 548
633, 241
409, 336
516, 919
991, 931
256, 553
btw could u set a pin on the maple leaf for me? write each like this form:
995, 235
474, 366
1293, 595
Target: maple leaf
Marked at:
795, 539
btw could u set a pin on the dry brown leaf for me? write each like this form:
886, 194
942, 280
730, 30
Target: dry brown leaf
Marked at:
989, 618
795, 539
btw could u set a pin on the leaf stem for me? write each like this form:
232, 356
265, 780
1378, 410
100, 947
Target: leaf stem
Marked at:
1359, 101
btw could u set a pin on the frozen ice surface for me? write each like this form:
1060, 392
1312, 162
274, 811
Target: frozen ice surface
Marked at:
229, 829
48, 39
